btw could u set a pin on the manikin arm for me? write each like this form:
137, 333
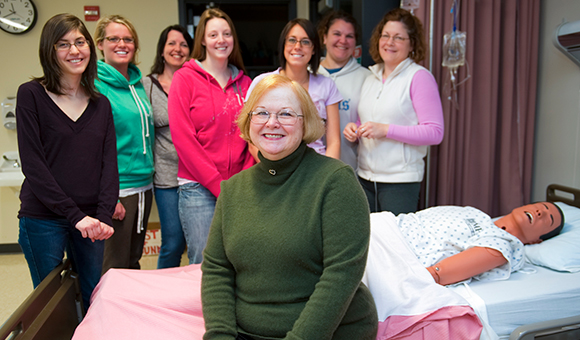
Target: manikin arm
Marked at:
466, 264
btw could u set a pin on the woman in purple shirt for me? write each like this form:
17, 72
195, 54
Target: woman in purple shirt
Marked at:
66, 139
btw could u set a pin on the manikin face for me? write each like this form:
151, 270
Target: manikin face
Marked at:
274, 140
297, 55
340, 41
73, 61
218, 39
176, 49
531, 221
392, 50
118, 54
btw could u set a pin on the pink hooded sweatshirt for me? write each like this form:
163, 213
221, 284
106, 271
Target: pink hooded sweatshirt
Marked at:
202, 118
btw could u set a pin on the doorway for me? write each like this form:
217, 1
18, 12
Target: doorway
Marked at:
258, 25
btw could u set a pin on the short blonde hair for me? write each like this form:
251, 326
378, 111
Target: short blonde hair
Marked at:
118, 19
311, 122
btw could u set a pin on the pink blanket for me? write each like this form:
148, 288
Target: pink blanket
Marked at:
166, 303
145, 304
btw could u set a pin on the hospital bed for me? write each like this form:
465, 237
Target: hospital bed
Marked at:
52, 311
537, 303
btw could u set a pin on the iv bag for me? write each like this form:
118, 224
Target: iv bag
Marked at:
410, 5
454, 49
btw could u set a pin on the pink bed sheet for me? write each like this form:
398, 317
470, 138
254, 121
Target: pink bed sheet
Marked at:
145, 304
452, 322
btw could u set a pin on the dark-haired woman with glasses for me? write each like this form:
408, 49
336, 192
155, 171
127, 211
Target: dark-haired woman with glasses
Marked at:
120, 81
299, 57
173, 50
66, 139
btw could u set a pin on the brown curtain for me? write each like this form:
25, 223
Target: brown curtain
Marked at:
485, 159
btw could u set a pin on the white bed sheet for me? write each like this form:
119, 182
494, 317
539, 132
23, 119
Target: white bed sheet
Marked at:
529, 297
533, 294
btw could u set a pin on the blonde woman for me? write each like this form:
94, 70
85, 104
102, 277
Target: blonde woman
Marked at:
299, 48
120, 81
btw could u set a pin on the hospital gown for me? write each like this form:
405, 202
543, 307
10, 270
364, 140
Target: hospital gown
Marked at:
440, 232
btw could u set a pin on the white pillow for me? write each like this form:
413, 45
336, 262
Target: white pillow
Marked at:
562, 252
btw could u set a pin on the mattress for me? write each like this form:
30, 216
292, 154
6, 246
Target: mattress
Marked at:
535, 293
532, 295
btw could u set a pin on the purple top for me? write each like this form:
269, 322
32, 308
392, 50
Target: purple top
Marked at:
427, 105
70, 166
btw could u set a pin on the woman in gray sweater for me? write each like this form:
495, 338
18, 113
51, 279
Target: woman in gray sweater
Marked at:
172, 51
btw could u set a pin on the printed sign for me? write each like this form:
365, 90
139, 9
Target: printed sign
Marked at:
152, 242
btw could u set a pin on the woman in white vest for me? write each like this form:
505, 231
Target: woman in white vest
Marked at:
338, 31
400, 115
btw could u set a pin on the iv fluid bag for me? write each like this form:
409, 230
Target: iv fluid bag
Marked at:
454, 49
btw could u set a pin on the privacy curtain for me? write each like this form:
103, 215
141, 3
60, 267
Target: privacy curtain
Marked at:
485, 159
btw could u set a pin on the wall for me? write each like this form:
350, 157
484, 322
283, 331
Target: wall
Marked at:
19, 56
19, 62
557, 145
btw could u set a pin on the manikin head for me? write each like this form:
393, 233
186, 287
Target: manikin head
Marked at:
533, 223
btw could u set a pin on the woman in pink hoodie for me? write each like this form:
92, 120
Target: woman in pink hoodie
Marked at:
205, 98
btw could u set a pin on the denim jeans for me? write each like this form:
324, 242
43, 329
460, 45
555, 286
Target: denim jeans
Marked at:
43, 243
397, 198
172, 239
196, 207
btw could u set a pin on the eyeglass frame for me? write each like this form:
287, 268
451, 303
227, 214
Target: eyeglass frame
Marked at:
396, 38
253, 114
84, 43
288, 42
130, 40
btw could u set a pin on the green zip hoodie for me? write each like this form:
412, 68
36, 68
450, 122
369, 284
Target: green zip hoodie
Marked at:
133, 124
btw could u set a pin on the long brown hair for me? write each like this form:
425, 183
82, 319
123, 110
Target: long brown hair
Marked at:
54, 29
199, 52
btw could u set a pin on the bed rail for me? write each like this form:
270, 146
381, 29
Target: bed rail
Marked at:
559, 329
554, 194
52, 311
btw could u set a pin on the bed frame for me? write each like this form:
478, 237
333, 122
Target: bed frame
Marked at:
55, 307
52, 311
559, 329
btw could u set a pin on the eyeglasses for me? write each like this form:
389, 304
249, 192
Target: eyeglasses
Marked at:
116, 40
65, 45
397, 38
285, 117
303, 42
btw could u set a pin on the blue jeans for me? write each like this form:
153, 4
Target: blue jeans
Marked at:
196, 207
172, 239
43, 243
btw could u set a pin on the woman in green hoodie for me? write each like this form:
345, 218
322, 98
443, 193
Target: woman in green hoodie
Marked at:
120, 81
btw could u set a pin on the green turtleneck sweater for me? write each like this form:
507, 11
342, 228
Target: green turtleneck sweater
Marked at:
286, 253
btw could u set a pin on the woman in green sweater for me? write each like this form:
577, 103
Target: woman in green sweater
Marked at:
288, 243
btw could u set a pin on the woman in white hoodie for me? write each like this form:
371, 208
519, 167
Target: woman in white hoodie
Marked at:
400, 115
339, 31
